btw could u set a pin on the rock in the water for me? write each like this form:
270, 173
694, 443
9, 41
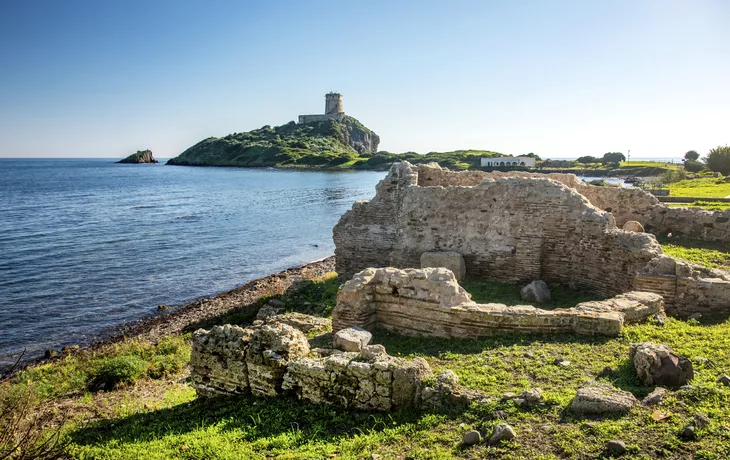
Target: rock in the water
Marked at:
352, 339
724, 380
616, 447
537, 291
502, 432
452, 260
601, 398
472, 437
633, 226
658, 365
140, 156
655, 397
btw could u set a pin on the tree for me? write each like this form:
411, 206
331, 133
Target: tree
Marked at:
614, 158
691, 155
588, 159
718, 160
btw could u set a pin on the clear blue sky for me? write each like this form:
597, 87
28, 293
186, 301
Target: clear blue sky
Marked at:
558, 78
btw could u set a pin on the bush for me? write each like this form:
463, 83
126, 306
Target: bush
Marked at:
26, 431
111, 372
670, 177
588, 159
693, 166
718, 160
613, 158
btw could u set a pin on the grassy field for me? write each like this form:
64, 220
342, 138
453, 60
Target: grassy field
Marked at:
705, 187
147, 408
707, 205
713, 255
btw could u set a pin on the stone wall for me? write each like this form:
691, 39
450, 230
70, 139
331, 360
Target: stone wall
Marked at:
430, 302
509, 229
274, 359
687, 288
625, 204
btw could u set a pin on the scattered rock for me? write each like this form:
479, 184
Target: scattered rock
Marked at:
601, 398
606, 371
352, 339
724, 380
532, 397
616, 447
69, 349
529, 354
633, 226
300, 321
267, 311
689, 432
502, 432
701, 360
658, 365
700, 421
499, 415
686, 388
162, 307
655, 397
561, 362
660, 320
50, 353
451, 260
695, 316
537, 291
472, 437
448, 377
373, 352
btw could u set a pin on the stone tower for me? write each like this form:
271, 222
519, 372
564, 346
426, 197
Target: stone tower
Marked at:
333, 104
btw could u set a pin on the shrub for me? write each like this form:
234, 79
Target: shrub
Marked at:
613, 158
111, 372
718, 160
693, 166
670, 177
588, 159
691, 156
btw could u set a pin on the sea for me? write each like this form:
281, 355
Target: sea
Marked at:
88, 244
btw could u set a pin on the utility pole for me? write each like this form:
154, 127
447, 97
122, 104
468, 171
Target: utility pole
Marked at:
628, 157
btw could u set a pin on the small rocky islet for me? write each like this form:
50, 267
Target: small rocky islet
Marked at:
140, 157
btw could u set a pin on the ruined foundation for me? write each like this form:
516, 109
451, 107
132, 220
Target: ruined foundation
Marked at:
522, 227
430, 302
274, 359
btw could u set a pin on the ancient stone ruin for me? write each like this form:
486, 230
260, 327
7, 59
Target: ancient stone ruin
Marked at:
522, 227
430, 302
273, 359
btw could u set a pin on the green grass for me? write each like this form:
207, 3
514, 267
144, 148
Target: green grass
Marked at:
705, 187
708, 205
509, 294
258, 428
712, 255
172, 423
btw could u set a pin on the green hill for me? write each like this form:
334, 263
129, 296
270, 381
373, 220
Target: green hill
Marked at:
345, 144
323, 143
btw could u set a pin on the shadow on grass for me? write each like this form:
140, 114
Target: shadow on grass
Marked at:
509, 294
432, 346
251, 417
316, 298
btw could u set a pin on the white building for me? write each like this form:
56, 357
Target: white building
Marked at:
509, 161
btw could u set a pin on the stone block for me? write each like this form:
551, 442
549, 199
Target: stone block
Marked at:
450, 260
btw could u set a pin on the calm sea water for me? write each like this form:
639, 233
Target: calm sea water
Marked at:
89, 244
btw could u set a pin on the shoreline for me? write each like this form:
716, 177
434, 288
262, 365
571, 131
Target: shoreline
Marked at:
179, 317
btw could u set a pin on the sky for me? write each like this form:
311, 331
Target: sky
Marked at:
557, 78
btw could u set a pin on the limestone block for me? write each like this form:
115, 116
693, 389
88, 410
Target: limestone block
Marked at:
352, 339
407, 382
633, 226
658, 365
451, 260
537, 291
599, 398
300, 321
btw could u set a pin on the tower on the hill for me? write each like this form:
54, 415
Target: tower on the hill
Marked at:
333, 104
332, 110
